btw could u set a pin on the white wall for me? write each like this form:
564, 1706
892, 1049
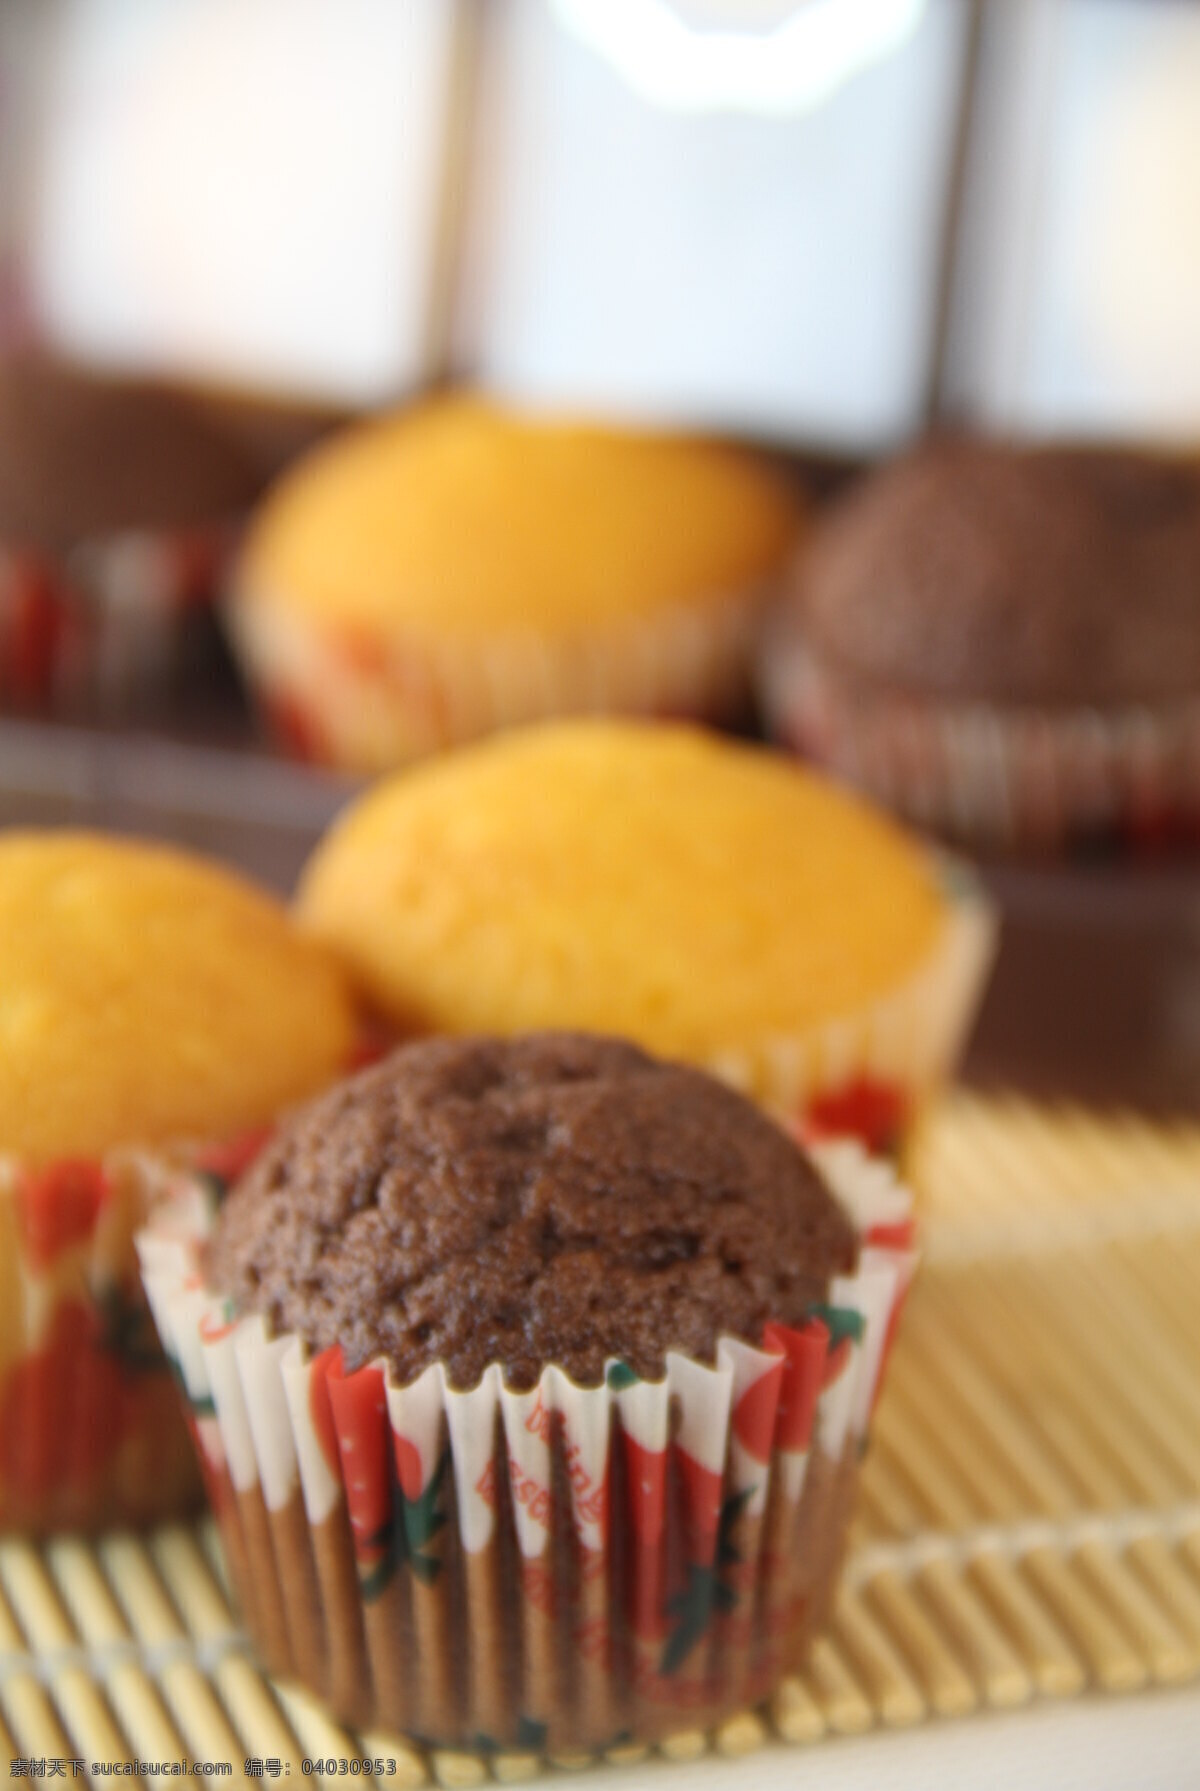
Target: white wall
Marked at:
253, 192
246, 190
772, 271
1079, 301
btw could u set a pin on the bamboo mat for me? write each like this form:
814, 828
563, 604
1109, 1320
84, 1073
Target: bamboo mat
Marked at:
1029, 1525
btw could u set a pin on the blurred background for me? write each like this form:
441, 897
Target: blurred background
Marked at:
816, 221
824, 226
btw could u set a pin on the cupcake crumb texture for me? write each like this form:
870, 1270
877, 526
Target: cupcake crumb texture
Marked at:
1051, 575
556, 1198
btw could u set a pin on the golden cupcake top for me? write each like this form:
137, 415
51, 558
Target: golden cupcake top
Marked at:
458, 515
654, 881
146, 995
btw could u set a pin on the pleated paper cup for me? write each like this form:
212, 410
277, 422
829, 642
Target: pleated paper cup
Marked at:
564, 1567
367, 703
1010, 779
869, 1073
109, 625
91, 1432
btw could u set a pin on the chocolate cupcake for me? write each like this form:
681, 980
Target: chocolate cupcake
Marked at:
540, 1369
1004, 644
118, 504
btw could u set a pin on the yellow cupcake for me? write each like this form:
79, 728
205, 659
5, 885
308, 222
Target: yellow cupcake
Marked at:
712, 901
147, 996
147, 999
424, 578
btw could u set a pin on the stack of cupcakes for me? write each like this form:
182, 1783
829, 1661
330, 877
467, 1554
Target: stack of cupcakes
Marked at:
530, 1367
529, 1373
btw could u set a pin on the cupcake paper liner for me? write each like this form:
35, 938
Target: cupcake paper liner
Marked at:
366, 704
547, 1569
1012, 779
91, 1432
867, 1073
94, 631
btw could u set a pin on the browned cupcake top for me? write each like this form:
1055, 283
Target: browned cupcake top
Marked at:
556, 1197
974, 569
83, 455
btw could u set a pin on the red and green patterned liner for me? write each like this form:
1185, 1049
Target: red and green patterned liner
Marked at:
558, 1568
90, 632
91, 1432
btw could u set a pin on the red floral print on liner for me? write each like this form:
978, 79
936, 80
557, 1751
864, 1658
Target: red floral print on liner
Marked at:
66, 1409
58, 1206
37, 622
868, 1109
